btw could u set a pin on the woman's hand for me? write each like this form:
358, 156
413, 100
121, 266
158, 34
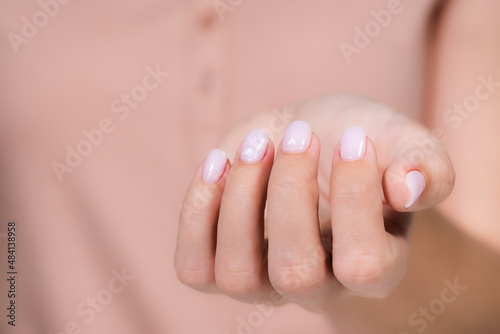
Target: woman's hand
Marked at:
324, 218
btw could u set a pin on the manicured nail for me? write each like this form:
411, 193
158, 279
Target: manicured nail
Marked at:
415, 181
254, 146
353, 144
214, 166
297, 137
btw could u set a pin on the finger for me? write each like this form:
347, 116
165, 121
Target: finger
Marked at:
420, 175
298, 266
366, 259
195, 253
241, 264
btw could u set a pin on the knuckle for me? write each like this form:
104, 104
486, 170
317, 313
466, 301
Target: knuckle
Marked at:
302, 274
195, 277
239, 282
287, 183
361, 273
352, 190
296, 280
294, 180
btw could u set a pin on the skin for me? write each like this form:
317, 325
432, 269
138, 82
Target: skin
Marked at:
367, 260
223, 249
120, 207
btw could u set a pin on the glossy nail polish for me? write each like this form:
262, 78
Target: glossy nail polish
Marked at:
254, 146
215, 164
415, 181
297, 137
353, 144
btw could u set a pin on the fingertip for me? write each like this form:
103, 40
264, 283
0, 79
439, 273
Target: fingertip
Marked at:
202, 198
297, 138
411, 187
356, 196
254, 146
315, 146
195, 251
396, 190
214, 167
415, 181
353, 144
364, 148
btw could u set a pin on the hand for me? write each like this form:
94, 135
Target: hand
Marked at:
312, 225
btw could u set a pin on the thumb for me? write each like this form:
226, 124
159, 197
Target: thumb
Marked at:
420, 175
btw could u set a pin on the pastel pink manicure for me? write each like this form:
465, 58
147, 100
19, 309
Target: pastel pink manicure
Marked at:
297, 137
415, 181
353, 144
215, 164
254, 146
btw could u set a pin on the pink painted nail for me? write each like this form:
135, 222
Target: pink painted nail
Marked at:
254, 146
415, 181
353, 144
297, 137
214, 166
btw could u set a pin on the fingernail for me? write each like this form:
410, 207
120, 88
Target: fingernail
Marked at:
254, 146
353, 144
297, 137
215, 164
415, 181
